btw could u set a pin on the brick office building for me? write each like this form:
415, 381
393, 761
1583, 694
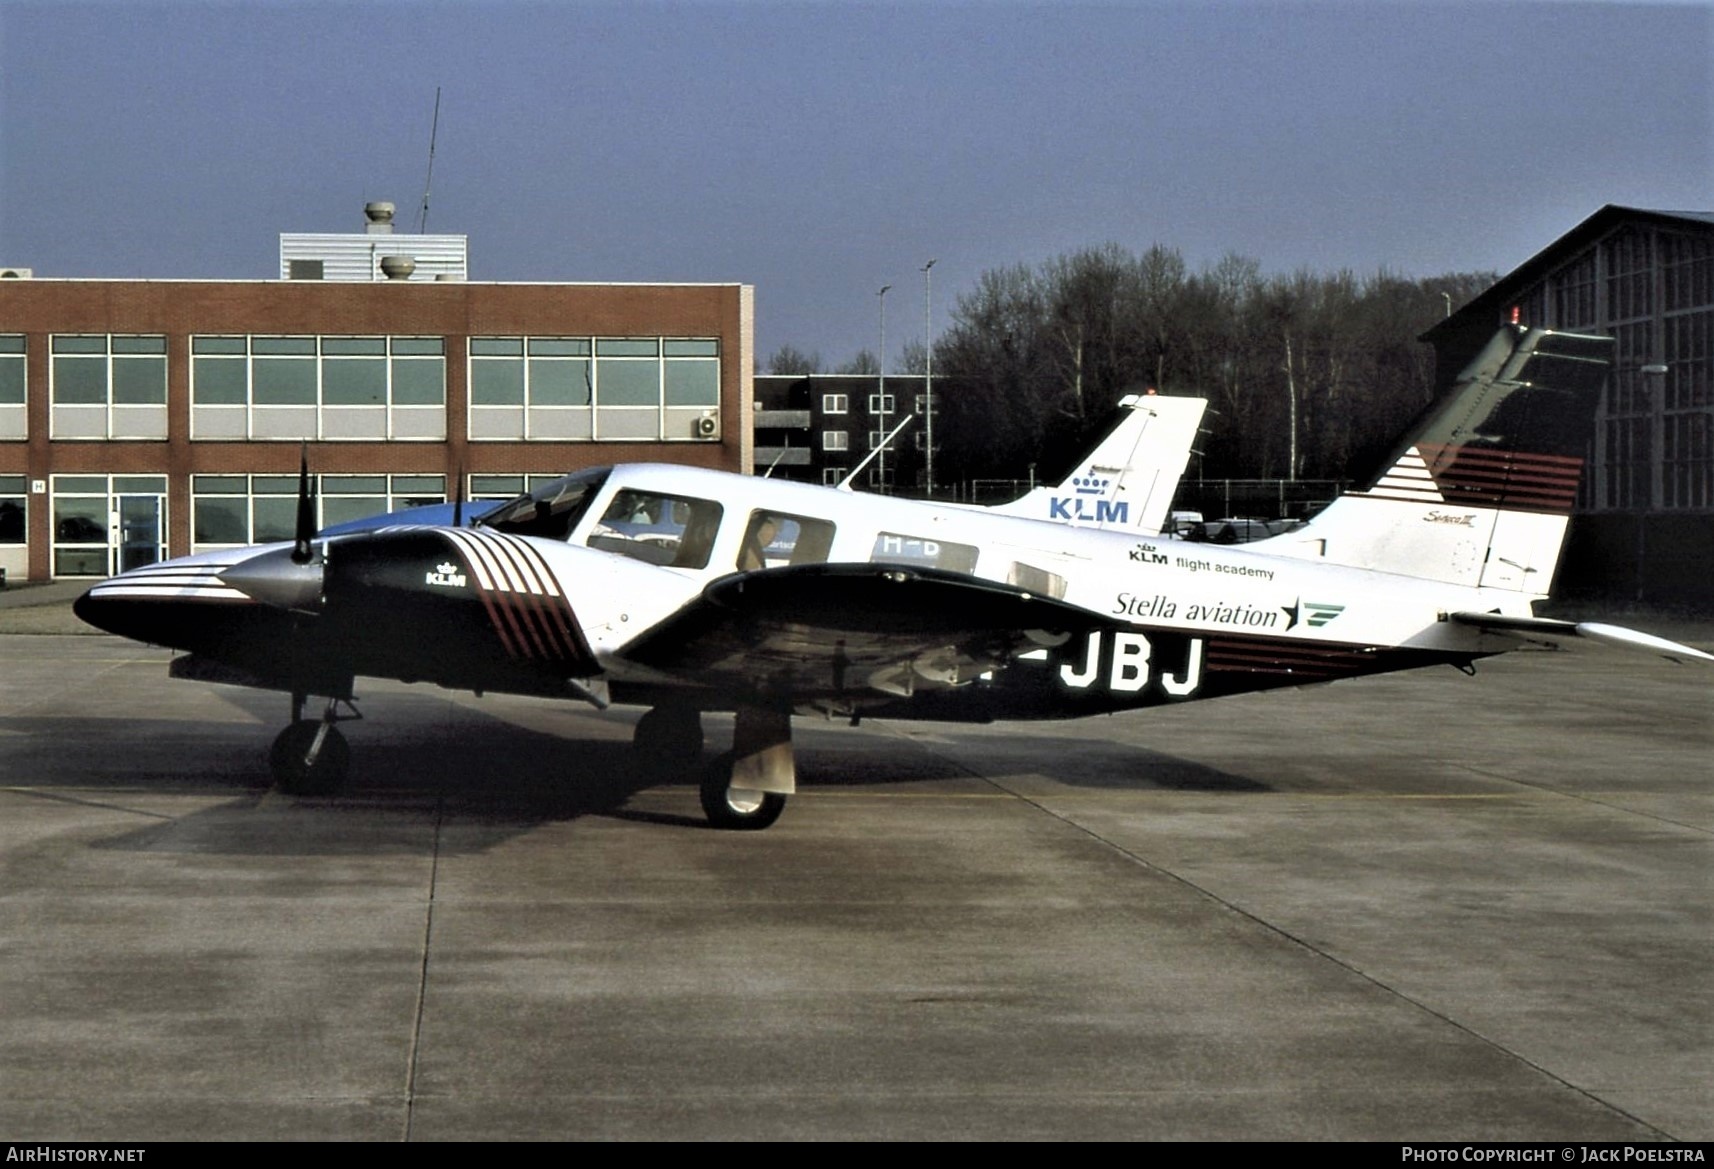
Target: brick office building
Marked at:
144, 419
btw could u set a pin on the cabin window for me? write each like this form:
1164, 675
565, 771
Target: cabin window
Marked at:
672, 530
894, 548
773, 538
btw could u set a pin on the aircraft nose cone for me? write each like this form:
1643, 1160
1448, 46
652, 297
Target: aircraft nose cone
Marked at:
274, 578
93, 610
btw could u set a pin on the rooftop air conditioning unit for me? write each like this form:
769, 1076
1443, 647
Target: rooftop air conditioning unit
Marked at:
708, 426
16, 273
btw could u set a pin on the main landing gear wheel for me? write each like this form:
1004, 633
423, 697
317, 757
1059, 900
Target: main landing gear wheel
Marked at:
730, 807
300, 768
668, 739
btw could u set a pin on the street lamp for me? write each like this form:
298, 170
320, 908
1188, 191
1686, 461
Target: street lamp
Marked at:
928, 367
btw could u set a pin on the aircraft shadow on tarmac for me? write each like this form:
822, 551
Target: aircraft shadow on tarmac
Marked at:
479, 780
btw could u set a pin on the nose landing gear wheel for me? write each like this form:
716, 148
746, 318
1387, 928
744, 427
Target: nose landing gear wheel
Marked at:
293, 768
731, 807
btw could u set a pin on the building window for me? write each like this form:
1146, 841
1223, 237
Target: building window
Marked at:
832, 476
834, 403
1687, 270
922, 404
507, 486
612, 389
344, 498
1688, 460
1630, 276
881, 403
108, 387
233, 511
326, 388
14, 510
14, 420
835, 440
1574, 294
108, 524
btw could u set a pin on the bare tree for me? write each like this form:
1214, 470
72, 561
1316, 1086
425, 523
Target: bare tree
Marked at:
789, 360
863, 364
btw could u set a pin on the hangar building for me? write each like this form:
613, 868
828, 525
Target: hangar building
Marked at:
1644, 529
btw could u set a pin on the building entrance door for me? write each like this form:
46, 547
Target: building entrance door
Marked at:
136, 536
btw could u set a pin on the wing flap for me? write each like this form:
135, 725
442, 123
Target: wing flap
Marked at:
815, 631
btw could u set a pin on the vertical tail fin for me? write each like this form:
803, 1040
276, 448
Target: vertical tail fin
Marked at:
1482, 490
1129, 479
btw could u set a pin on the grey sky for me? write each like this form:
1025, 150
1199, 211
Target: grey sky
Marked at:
820, 150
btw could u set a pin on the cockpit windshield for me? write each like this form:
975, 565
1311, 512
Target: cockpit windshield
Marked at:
552, 509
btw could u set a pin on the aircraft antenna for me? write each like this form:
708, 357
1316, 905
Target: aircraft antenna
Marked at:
434, 129
845, 483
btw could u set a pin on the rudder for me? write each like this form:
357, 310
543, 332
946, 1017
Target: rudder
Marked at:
1482, 490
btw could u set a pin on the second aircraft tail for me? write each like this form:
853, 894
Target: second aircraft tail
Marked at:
1128, 481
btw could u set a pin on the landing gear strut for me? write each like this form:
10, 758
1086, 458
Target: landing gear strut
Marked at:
311, 757
747, 787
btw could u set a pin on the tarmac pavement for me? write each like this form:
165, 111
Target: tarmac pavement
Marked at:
1418, 907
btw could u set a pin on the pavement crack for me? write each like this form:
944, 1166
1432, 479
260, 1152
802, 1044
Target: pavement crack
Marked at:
415, 1049
60, 797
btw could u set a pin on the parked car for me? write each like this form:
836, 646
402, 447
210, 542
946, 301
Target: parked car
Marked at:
1231, 530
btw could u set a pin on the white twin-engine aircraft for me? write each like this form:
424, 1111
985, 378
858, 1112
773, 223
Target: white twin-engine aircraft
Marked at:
688, 590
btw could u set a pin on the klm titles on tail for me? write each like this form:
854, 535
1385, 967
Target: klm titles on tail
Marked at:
1081, 508
1073, 509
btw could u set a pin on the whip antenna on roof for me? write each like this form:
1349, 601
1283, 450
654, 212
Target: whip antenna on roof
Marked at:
434, 128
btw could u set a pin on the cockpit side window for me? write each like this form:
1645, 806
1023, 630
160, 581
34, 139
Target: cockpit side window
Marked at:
773, 538
551, 510
673, 530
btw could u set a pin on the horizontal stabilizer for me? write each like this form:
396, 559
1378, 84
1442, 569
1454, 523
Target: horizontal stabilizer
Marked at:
1548, 631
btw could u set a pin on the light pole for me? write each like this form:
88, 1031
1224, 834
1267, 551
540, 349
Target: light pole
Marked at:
881, 393
928, 368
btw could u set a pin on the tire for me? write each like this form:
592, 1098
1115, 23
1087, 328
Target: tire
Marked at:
728, 807
292, 775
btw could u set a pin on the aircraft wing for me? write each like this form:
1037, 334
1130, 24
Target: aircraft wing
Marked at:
844, 631
1547, 631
